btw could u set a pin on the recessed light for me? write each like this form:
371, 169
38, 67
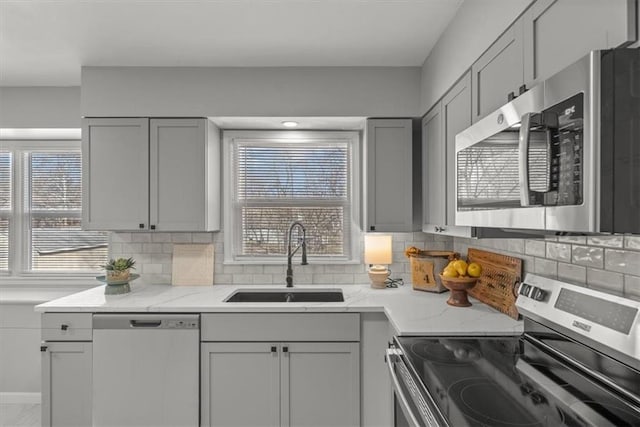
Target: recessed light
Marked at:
290, 124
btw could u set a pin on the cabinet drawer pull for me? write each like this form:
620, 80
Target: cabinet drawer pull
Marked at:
153, 227
64, 327
145, 324
140, 225
43, 348
285, 349
274, 349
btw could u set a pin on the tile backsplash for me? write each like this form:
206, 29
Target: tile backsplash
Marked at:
608, 263
153, 254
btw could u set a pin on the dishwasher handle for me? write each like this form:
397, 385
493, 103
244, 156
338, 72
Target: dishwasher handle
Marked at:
145, 323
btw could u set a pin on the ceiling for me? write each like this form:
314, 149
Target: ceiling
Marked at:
44, 42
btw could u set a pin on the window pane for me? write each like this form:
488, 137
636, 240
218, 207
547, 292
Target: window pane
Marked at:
5, 180
291, 171
57, 242
264, 230
4, 244
56, 181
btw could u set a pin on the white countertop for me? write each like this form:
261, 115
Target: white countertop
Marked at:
410, 312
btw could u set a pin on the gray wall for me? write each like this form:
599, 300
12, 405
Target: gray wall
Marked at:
276, 91
476, 25
40, 107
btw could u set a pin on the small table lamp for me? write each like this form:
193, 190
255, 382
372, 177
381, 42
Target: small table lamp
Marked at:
377, 252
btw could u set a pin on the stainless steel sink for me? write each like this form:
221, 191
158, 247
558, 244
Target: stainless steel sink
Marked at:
286, 295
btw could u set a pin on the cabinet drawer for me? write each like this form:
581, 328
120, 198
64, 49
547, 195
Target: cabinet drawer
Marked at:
66, 327
280, 327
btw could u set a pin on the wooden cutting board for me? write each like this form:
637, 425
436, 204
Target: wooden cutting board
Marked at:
192, 265
498, 283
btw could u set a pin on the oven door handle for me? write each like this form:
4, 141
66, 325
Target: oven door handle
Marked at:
523, 159
591, 417
404, 403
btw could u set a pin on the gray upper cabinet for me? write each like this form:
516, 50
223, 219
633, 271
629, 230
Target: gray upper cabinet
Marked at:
151, 174
559, 32
115, 174
499, 71
439, 129
389, 191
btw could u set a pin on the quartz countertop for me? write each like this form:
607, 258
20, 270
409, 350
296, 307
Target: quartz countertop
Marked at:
410, 312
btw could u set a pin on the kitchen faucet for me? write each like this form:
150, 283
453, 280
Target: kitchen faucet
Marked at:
290, 253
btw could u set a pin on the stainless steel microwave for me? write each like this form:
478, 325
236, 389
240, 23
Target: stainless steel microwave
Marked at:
563, 157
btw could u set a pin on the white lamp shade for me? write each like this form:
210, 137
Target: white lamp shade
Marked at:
377, 249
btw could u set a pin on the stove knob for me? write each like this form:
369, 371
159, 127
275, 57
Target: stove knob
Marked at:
524, 289
537, 398
538, 294
526, 389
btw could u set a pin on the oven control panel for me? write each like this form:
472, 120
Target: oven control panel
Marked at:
607, 319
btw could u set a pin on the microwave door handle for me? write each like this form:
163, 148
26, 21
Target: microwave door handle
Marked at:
523, 159
406, 409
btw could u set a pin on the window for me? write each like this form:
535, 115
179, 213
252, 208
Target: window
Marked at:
275, 178
40, 211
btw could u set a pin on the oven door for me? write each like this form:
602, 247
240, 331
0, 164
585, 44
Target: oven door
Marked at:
411, 404
502, 165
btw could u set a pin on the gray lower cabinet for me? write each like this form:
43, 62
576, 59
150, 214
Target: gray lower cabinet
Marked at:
440, 126
280, 384
66, 384
135, 172
389, 186
559, 32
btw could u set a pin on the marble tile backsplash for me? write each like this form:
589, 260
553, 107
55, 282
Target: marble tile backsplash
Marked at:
608, 263
153, 254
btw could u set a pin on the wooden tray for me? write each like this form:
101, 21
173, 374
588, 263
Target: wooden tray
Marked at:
498, 283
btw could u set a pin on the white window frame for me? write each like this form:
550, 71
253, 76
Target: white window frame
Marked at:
231, 228
19, 228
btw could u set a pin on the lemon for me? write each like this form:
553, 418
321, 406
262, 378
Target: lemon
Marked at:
461, 267
474, 269
450, 272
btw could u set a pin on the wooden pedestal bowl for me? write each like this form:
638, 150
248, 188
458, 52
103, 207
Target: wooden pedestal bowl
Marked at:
458, 287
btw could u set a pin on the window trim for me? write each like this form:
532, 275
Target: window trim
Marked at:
232, 228
17, 273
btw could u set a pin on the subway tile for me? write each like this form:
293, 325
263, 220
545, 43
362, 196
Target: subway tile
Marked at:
515, 245
161, 258
323, 278
152, 268
572, 272
241, 279
587, 256
141, 237
274, 269
559, 251
550, 238
161, 237
120, 237
152, 248
131, 248
632, 287
181, 238
608, 241
253, 269
545, 267
167, 248
115, 248
576, 240
627, 262
262, 279
605, 281
343, 278
535, 248
300, 279
233, 269
632, 242
222, 278
361, 279
202, 237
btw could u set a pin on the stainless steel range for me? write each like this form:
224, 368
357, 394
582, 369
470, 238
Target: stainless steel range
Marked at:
577, 364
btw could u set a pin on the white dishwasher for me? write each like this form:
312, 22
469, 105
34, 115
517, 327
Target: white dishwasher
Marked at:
146, 370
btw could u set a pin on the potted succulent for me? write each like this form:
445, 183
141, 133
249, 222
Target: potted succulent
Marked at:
118, 270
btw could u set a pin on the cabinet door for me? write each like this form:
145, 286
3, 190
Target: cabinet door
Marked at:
497, 72
178, 177
320, 384
240, 384
389, 175
456, 117
433, 171
559, 32
66, 384
115, 174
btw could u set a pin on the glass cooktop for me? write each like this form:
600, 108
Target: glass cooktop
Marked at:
507, 381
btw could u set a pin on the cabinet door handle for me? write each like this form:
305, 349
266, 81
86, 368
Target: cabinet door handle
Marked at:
43, 348
64, 327
140, 225
522, 89
511, 96
372, 228
285, 349
153, 227
274, 349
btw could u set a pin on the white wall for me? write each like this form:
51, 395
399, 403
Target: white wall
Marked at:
476, 25
40, 107
276, 91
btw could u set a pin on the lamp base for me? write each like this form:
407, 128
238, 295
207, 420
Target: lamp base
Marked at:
378, 278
